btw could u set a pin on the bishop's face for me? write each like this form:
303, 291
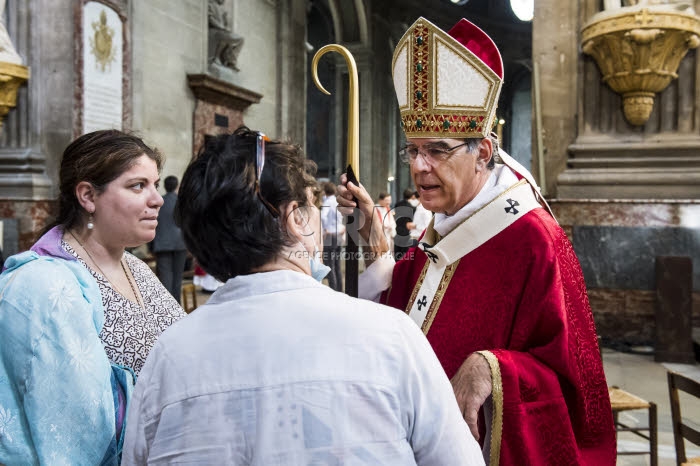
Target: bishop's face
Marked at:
445, 186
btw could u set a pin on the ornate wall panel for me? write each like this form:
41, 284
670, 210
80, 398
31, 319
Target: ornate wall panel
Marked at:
612, 159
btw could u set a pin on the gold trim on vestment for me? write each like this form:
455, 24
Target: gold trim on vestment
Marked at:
388, 293
416, 288
431, 235
497, 397
439, 294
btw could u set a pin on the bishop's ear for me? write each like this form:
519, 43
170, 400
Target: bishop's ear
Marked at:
485, 152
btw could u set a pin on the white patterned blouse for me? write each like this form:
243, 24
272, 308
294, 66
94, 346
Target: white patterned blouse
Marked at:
129, 332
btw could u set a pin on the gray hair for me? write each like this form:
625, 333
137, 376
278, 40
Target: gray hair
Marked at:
473, 143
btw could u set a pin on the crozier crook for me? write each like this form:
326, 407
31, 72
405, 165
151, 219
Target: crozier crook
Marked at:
353, 157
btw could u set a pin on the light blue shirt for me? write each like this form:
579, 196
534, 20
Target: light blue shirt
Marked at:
58, 390
277, 369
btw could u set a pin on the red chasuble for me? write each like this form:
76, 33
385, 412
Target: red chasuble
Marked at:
520, 299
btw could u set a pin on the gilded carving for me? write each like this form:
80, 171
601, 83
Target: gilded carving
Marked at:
101, 44
638, 52
11, 77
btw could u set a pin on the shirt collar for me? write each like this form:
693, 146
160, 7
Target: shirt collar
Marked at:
261, 283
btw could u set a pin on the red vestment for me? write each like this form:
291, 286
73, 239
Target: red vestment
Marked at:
521, 296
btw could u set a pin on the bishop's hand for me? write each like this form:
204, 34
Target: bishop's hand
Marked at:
472, 386
351, 196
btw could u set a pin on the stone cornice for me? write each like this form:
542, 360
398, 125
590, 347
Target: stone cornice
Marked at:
219, 92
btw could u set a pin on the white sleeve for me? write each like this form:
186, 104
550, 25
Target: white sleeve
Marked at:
140, 432
376, 278
325, 224
340, 226
436, 429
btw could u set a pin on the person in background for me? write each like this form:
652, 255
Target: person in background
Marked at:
404, 211
205, 281
494, 282
168, 245
421, 220
333, 231
78, 314
277, 368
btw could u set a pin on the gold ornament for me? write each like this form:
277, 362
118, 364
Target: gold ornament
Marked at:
11, 77
101, 43
638, 53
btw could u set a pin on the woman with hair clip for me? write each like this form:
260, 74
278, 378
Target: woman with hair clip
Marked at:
78, 314
277, 368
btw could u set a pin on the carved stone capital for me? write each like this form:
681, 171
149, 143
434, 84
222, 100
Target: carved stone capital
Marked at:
638, 52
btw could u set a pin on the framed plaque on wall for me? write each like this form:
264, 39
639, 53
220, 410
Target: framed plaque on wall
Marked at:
102, 69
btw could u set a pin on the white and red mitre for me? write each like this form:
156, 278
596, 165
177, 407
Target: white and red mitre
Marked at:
447, 84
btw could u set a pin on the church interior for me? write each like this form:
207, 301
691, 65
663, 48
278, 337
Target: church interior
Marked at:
601, 102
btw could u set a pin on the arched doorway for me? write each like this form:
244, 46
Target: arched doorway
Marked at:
320, 112
518, 139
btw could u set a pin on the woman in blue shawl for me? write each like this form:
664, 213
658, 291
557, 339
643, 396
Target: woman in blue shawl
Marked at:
78, 314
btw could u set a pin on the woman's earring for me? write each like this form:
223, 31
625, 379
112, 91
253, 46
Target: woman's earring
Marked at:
90, 224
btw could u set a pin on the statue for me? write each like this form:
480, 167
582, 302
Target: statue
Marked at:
224, 45
8, 54
685, 6
12, 73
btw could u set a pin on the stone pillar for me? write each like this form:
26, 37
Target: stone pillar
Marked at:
292, 70
555, 52
22, 163
35, 132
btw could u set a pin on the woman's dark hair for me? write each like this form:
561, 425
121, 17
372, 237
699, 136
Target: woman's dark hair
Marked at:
226, 226
99, 158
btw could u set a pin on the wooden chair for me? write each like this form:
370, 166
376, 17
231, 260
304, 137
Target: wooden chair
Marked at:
189, 297
681, 431
621, 400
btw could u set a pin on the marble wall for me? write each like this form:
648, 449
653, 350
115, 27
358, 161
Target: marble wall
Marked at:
617, 243
28, 218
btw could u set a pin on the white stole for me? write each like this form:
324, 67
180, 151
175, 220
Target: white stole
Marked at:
474, 231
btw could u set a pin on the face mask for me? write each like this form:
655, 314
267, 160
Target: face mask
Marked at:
413, 202
319, 270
